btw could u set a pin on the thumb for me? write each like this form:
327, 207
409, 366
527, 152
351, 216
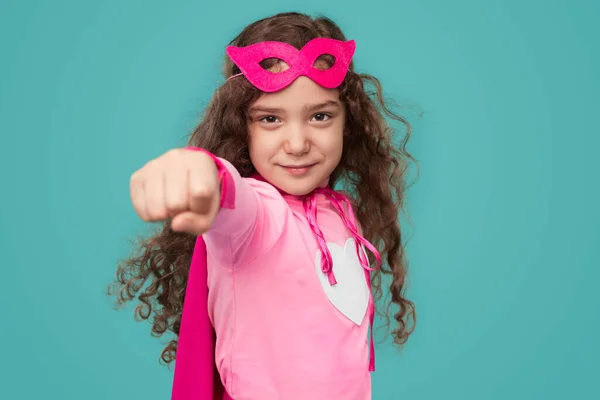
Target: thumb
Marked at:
203, 188
191, 222
203, 203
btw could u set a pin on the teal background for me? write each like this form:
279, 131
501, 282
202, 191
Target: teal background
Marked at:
504, 101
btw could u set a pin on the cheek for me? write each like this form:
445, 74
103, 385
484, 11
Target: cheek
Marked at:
333, 143
259, 148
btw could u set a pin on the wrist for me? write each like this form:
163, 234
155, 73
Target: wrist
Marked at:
223, 176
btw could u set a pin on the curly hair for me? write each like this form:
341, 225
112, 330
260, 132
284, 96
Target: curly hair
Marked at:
372, 170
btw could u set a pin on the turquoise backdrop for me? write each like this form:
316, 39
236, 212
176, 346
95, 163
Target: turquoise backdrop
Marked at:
503, 97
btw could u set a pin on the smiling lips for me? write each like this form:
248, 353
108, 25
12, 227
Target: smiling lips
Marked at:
298, 169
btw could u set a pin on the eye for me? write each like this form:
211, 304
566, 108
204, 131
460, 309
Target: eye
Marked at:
269, 119
321, 117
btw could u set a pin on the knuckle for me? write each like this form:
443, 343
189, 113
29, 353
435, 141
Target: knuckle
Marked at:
145, 216
152, 164
175, 204
156, 215
136, 179
171, 153
202, 191
174, 154
150, 169
156, 211
199, 157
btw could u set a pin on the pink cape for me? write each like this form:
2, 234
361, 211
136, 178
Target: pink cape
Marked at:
196, 376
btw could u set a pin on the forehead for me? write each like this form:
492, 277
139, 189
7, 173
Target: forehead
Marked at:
301, 93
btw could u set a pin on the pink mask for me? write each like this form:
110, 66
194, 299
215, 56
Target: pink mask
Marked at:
300, 62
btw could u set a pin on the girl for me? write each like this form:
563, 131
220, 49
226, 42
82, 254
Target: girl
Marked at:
258, 252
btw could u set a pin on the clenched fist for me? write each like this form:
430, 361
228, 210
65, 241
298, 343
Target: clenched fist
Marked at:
181, 184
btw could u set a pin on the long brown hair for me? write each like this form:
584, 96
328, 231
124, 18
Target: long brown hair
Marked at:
372, 170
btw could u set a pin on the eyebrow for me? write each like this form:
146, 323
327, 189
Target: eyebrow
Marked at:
308, 107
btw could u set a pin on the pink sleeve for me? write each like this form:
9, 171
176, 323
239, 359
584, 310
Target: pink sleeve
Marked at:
238, 215
226, 180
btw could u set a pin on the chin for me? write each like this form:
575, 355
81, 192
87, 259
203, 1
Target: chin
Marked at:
297, 188
297, 191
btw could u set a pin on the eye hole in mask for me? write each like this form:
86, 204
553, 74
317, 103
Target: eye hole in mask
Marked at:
324, 62
276, 65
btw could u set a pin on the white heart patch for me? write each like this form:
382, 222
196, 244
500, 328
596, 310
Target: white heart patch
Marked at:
351, 293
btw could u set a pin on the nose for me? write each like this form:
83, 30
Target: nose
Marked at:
296, 142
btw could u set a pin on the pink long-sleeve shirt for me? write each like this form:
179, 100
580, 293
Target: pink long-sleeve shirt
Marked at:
283, 331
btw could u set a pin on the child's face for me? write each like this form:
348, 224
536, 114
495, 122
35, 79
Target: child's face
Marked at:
296, 136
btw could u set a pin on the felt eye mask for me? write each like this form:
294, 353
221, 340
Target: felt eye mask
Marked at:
300, 62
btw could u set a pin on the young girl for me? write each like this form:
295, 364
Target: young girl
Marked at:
258, 252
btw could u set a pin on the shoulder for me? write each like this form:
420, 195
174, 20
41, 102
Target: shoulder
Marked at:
264, 189
273, 206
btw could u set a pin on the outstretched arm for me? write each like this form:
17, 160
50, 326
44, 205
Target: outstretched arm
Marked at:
204, 195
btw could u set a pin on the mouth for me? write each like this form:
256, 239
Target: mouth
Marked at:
298, 169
